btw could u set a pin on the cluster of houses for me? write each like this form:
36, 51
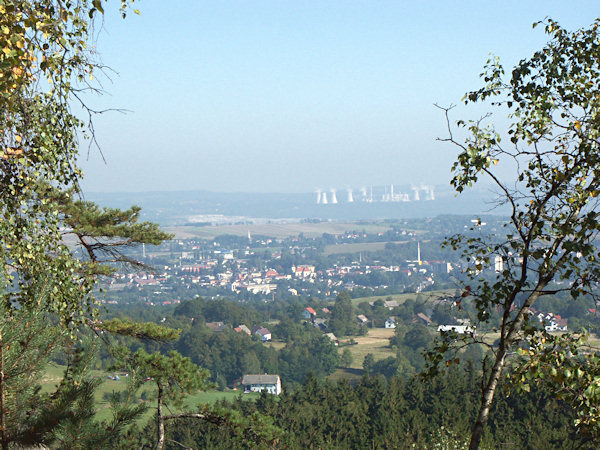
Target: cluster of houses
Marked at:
552, 322
233, 272
310, 314
261, 332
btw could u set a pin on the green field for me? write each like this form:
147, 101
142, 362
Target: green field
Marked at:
354, 248
346, 374
377, 342
274, 230
54, 375
401, 298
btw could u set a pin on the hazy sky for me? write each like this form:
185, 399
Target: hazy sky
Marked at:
291, 96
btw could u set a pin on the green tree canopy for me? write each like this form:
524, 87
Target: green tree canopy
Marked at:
551, 142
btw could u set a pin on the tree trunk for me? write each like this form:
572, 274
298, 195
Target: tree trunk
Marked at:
487, 397
160, 422
2, 398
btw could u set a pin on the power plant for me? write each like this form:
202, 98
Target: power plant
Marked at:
384, 194
333, 197
350, 198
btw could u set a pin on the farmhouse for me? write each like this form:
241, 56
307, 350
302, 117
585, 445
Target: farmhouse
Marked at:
259, 383
557, 325
264, 334
243, 329
309, 313
333, 339
422, 318
362, 319
390, 322
390, 304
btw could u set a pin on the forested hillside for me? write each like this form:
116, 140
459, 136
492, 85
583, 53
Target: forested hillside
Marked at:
489, 342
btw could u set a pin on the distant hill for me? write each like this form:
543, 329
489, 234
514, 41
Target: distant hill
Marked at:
181, 207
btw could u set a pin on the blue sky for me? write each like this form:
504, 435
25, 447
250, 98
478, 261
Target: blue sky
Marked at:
291, 96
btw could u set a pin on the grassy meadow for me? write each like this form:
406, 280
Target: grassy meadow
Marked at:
401, 298
55, 372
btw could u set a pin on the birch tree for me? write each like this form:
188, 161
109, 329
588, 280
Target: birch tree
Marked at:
551, 143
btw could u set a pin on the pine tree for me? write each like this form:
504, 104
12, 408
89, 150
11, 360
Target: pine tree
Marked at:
26, 344
174, 377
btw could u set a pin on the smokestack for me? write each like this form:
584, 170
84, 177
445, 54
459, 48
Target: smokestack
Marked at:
350, 197
318, 196
324, 199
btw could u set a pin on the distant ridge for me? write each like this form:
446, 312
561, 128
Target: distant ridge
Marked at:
180, 207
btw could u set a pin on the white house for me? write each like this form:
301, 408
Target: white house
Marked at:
264, 334
259, 383
557, 325
390, 322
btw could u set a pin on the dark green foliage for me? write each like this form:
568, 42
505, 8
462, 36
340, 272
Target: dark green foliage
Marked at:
399, 414
219, 310
139, 330
316, 355
388, 367
73, 408
222, 427
26, 345
229, 355
343, 320
105, 234
346, 358
410, 342
368, 363
289, 330
226, 354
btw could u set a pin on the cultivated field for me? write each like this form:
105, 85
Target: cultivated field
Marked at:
274, 230
376, 342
